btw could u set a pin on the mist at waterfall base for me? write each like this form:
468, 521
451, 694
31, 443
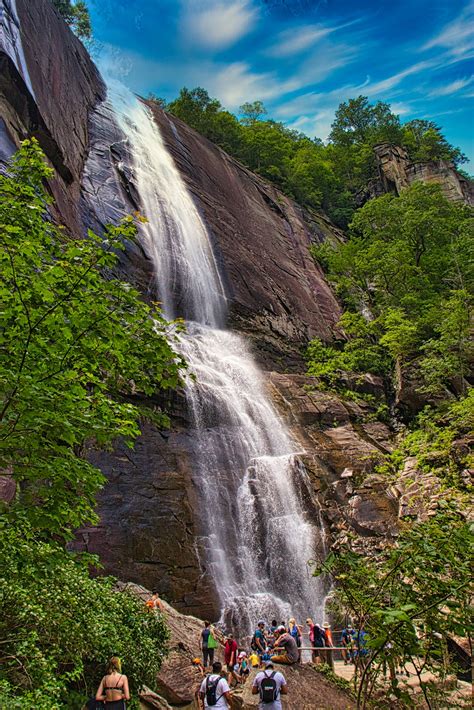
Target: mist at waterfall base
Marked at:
259, 525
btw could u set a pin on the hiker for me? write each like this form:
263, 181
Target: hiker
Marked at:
113, 688
214, 690
319, 642
328, 655
287, 644
208, 644
273, 626
254, 660
154, 603
230, 658
295, 631
270, 685
347, 640
259, 641
244, 666
197, 663
361, 652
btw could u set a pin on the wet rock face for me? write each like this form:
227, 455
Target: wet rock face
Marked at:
278, 295
341, 444
149, 520
66, 86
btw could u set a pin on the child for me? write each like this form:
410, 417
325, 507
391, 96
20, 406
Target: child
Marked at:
244, 669
254, 660
197, 663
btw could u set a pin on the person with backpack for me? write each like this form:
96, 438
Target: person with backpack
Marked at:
214, 689
208, 644
259, 642
295, 631
270, 685
113, 689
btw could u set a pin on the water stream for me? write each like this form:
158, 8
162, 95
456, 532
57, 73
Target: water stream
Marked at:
259, 525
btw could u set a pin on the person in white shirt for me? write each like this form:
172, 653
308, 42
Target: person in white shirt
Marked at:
281, 687
222, 690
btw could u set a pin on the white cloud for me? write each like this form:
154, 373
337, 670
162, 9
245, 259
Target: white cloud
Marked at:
297, 39
294, 41
453, 87
458, 35
216, 24
235, 83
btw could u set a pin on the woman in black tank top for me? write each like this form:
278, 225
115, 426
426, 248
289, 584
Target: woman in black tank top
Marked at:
113, 689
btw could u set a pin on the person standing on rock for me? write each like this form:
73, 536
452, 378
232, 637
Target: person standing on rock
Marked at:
214, 690
270, 685
206, 647
286, 643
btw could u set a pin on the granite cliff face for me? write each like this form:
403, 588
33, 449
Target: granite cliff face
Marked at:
279, 298
396, 172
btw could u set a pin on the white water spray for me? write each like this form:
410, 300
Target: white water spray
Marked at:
259, 527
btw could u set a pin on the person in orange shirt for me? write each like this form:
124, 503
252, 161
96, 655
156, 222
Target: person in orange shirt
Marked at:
154, 603
329, 644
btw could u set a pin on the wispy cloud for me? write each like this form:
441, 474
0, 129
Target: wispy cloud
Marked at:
453, 87
236, 83
458, 35
217, 24
297, 39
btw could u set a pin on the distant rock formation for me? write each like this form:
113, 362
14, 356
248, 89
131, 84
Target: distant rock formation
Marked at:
396, 171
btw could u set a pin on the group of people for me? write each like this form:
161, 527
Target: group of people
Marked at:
277, 643
269, 684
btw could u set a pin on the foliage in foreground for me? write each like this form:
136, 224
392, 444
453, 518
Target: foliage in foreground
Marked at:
59, 627
408, 599
78, 347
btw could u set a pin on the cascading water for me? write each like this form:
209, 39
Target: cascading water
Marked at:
259, 526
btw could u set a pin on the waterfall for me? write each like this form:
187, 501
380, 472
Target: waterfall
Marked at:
257, 520
10, 32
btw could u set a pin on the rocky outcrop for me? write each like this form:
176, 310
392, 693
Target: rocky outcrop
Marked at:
342, 441
396, 172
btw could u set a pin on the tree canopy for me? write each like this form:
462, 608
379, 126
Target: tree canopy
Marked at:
316, 175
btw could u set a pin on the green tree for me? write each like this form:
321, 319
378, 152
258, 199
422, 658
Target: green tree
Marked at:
58, 627
195, 107
408, 262
358, 121
76, 14
408, 599
424, 141
252, 112
77, 347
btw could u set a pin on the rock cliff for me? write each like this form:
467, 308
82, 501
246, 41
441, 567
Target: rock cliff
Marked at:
278, 296
396, 172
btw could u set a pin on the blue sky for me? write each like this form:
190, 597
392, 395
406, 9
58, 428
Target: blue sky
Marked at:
301, 57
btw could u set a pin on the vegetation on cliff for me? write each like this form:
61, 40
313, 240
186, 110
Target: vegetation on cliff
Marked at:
76, 14
77, 346
316, 175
